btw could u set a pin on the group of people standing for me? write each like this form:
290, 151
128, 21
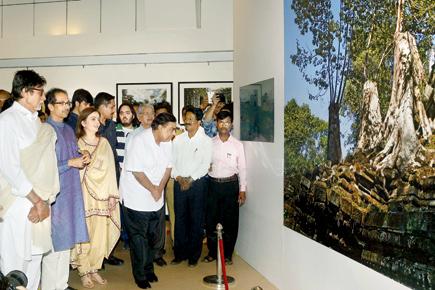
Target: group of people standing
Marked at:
66, 184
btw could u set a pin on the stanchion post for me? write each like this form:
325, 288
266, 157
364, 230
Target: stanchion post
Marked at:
217, 280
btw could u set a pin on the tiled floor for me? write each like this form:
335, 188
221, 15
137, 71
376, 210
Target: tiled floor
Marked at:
179, 277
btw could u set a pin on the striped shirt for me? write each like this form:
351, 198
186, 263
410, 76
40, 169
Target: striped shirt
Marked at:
121, 136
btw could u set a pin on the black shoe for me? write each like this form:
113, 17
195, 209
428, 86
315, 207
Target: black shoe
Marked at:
176, 261
143, 284
208, 259
160, 262
193, 264
114, 261
151, 277
228, 261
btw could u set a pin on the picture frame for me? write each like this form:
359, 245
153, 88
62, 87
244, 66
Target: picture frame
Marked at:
257, 111
197, 92
137, 93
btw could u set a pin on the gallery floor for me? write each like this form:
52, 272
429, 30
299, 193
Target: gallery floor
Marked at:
178, 277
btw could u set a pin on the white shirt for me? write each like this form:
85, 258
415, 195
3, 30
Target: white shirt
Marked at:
18, 130
143, 155
191, 156
135, 132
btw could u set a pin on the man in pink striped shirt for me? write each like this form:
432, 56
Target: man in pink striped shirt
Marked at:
227, 188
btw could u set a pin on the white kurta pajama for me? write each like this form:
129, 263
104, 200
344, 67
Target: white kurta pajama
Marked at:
27, 160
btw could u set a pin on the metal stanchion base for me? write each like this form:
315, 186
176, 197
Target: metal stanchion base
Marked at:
217, 282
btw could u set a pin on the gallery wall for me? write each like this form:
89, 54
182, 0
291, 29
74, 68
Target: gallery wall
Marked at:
258, 50
286, 258
84, 28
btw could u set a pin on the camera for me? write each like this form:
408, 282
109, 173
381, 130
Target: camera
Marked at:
221, 97
12, 280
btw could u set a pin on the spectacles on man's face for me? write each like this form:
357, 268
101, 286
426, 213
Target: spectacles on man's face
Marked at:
41, 90
69, 104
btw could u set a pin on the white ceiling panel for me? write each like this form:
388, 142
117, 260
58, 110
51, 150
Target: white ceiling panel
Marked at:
84, 17
13, 2
50, 19
14, 28
170, 14
118, 16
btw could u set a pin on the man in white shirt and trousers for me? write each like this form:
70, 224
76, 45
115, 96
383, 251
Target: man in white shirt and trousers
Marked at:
191, 155
29, 179
147, 168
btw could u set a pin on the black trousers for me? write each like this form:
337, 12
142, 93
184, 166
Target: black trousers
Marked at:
143, 234
223, 208
160, 243
189, 212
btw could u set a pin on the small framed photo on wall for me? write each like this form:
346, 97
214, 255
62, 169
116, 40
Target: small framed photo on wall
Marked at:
147, 93
199, 94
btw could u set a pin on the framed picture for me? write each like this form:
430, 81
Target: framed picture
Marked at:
257, 111
149, 93
199, 94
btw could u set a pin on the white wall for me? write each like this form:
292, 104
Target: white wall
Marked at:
163, 32
286, 258
54, 29
258, 47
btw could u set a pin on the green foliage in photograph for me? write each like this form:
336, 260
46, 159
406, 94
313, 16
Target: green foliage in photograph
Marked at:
352, 42
191, 94
305, 139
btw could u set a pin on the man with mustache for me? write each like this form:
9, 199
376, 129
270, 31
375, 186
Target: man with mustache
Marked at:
68, 225
227, 188
191, 161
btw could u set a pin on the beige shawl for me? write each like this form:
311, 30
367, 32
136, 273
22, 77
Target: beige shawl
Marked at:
39, 163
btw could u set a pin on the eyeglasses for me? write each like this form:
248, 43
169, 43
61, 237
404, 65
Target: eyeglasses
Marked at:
37, 89
69, 104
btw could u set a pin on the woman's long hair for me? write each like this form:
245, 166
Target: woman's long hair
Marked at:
80, 131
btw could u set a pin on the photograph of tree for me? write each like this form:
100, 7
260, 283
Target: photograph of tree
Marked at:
359, 123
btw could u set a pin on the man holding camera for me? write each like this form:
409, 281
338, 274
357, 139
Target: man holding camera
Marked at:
209, 119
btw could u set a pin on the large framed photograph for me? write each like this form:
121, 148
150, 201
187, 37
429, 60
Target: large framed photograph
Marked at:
199, 94
147, 93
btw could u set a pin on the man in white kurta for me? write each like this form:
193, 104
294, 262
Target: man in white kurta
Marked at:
23, 207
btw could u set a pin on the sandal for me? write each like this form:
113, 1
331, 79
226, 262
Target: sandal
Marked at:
97, 278
87, 281
208, 259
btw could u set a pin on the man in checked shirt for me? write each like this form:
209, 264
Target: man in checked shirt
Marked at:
227, 188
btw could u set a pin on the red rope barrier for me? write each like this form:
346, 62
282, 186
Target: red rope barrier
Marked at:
224, 272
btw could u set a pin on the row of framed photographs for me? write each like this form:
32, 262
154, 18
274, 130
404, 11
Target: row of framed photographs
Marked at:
198, 94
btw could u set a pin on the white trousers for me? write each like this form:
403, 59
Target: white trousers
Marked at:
55, 270
16, 249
